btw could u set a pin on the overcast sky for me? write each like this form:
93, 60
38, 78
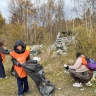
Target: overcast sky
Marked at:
4, 8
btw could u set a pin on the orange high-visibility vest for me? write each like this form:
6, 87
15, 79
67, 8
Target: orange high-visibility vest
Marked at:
2, 55
85, 62
21, 58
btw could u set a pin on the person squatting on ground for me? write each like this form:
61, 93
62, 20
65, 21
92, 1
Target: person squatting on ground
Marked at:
79, 72
2, 58
19, 56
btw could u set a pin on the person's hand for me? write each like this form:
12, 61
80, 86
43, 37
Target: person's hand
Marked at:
9, 50
66, 66
18, 64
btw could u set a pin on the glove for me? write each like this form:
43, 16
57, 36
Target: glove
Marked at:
18, 64
66, 66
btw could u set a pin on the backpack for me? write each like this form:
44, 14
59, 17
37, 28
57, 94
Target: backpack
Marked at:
91, 64
90, 60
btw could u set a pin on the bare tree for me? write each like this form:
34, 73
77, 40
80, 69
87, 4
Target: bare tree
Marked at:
38, 17
21, 11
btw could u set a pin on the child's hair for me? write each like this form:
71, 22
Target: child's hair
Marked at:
2, 41
78, 54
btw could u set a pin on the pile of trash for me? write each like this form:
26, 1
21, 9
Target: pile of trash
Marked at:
36, 49
62, 42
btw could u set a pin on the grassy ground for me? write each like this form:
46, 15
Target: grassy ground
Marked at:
54, 72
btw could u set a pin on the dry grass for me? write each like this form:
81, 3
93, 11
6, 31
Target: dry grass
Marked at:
54, 71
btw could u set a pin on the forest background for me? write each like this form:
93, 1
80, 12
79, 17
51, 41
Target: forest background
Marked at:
38, 23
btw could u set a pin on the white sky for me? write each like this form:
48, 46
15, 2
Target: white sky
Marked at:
3, 8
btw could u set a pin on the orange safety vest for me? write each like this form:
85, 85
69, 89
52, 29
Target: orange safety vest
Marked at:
84, 62
2, 55
21, 58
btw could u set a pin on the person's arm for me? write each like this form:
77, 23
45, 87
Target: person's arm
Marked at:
15, 62
28, 58
77, 64
4, 51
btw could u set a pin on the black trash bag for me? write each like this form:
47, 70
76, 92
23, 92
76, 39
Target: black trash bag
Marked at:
36, 72
13, 71
46, 88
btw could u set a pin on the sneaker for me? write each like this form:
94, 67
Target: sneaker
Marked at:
88, 84
21, 95
6, 77
28, 91
77, 84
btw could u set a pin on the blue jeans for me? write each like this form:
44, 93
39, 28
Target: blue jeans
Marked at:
2, 71
22, 85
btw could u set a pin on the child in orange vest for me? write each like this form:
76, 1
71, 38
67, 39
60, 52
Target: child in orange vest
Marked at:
19, 56
2, 58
